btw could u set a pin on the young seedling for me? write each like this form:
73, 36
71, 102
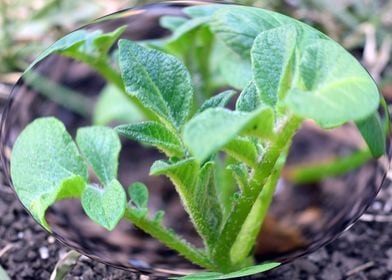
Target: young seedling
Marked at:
280, 71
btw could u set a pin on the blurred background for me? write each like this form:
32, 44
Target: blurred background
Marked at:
364, 27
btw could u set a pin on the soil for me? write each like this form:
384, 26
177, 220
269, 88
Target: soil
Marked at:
363, 252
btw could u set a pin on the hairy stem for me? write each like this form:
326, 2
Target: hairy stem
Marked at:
170, 239
243, 207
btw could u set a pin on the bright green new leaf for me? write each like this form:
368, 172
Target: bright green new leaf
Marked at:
272, 58
100, 146
249, 99
243, 150
373, 132
105, 206
336, 88
113, 105
46, 166
160, 81
158, 218
206, 198
138, 192
238, 26
241, 174
71, 40
155, 134
248, 271
219, 100
104, 42
210, 130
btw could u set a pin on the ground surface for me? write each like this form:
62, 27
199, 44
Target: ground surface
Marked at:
363, 252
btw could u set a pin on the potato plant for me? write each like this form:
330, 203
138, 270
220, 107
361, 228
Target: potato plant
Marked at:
226, 92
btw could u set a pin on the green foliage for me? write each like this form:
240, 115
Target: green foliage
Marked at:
224, 162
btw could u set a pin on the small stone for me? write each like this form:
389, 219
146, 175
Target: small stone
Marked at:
44, 253
20, 235
51, 239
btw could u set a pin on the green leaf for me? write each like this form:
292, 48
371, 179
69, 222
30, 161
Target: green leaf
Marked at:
113, 105
219, 100
206, 198
172, 22
105, 206
241, 174
336, 88
249, 99
138, 193
100, 146
248, 271
243, 150
155, 134
104, 42
46, 166
238, 26
210, 130
158, 218
160, 81
272, 54
202, 10
373, 132
71, 40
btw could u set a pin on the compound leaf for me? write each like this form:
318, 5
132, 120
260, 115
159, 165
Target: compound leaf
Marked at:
100, 146
105, 206
155, 134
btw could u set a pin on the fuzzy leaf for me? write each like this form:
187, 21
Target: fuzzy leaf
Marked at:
249, 99
240, 173
155, 134
209, 131
243, 150
160, 81
219, 100
104, 42
105, 206
172, 22
113, 105
238, 26
100, 146
46, 166
373, 132
207, 201
138, 193
158, 218
337, 89
272, 54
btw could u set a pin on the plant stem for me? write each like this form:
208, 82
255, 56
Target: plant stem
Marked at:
319, 171
221, 253
170, 239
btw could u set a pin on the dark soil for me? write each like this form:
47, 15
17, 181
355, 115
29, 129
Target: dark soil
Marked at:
363, 252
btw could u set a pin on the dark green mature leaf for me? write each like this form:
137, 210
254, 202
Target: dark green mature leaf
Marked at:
219, 100
272, 54
242, 149
100, 146
105, 206
373, 132
207, 200
138, 192
210, 130
336, 88
155, 134
160, 81
113, 105
46, 166
249, 99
